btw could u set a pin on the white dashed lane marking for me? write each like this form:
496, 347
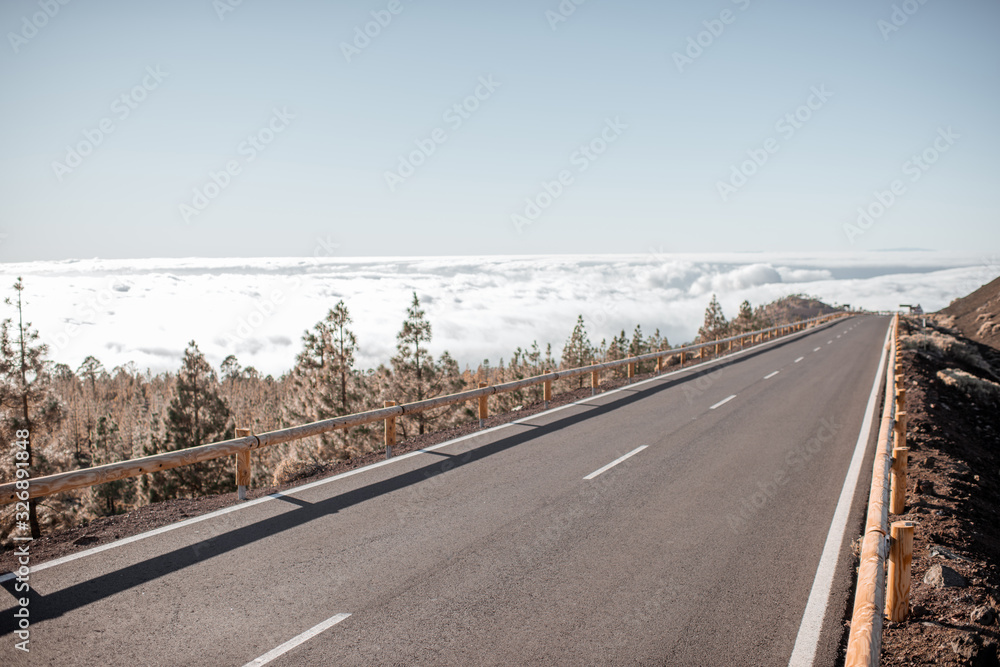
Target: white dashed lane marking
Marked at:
723, 402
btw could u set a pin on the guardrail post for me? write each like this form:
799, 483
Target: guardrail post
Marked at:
390, 431
595, 380
242, 467
548, 393
680, 358
659, 365
631, 371
897, 503
483, 405
897, 602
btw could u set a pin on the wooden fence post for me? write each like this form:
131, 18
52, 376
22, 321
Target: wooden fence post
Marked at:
390, 431
897, 603
483, 405
897, 474
242, 467
595, 380
548, 393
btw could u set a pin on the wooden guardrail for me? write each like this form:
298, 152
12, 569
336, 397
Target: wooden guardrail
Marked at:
242, 446
888, 494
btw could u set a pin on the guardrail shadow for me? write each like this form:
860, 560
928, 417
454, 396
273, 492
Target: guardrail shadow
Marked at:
77, 596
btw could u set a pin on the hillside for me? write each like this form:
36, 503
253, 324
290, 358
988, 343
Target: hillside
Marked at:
977, 315
794, 308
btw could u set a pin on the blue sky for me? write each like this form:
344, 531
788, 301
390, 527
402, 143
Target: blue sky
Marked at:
606, 77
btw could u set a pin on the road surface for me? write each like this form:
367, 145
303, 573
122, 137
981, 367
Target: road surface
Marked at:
518, 545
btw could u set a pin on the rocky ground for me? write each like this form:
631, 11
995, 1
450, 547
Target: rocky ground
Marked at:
954, 498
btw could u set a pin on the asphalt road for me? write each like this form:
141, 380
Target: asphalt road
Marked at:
504, 548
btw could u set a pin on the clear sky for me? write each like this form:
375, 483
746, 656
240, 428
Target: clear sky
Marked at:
310, 127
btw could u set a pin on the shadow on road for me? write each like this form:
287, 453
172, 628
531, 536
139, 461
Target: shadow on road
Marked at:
54, 605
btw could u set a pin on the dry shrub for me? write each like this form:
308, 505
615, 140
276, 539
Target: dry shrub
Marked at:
988, 329
946, 346
289, 470
984, 390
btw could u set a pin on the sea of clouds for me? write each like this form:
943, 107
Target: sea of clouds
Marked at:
145, 311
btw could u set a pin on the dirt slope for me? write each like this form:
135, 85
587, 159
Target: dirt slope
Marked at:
953, 495
977, 315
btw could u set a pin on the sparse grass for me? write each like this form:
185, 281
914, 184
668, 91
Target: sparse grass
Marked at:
946, 346
984, 390
289, 470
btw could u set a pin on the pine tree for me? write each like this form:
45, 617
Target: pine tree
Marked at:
578, 351
715, 326
196, 415
638, 346
109, 450
91, 370
415, 375
743, 322
324, 383
657, 342
27, 401
230, 368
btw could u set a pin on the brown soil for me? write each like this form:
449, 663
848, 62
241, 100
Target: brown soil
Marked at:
111, 528
977, 315
953, 495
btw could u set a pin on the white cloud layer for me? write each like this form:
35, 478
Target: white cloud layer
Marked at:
147, 310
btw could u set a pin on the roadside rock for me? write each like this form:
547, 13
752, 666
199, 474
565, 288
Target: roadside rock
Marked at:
983, 615
942, 552
975, 651
942, 576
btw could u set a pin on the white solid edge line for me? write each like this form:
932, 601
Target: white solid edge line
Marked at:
807, 640
771, 375
295, 641
615, 462
723, 401
327, 480
799, 359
